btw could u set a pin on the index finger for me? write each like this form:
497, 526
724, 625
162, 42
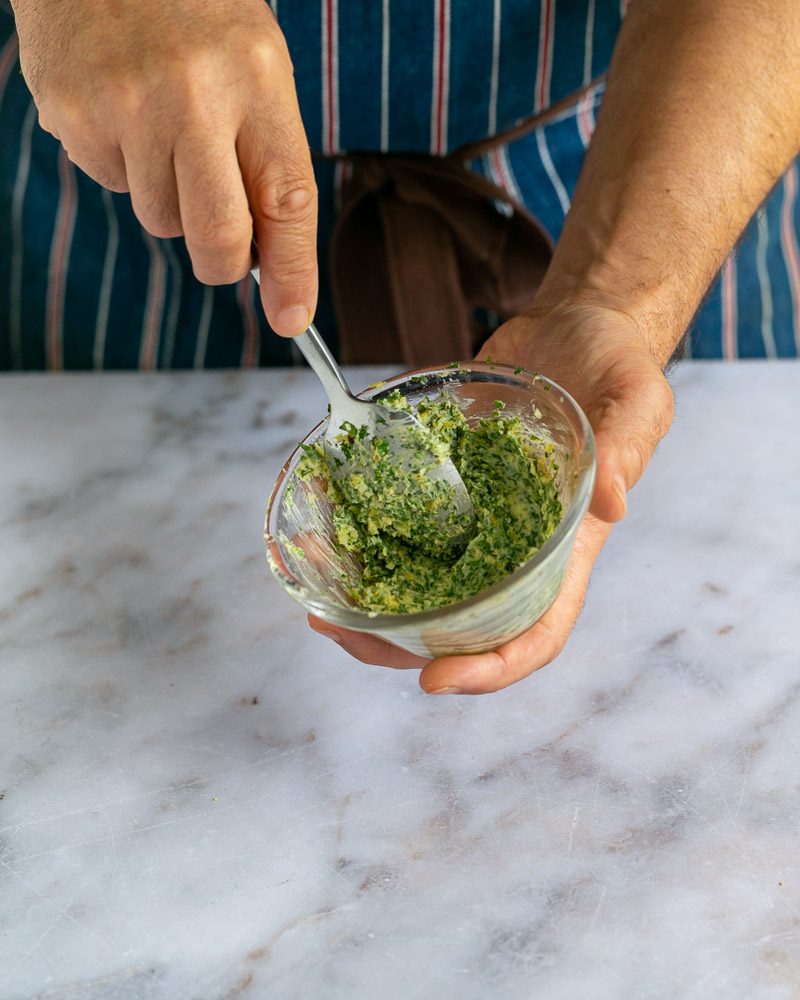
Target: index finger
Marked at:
368, 648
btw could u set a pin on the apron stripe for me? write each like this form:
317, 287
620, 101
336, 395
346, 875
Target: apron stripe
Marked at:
59, 261
495, 74
444, 75
585, 118
17, 237
544, 66
765, 285
251, 341
502, 173
729, 310
8, 57
203, 327
441, 77
107, 281
789, 245
335, 147
342, 174
176, 287
514, 189
154, 305
385, 54
588, 45
550, 169
330, 77
586, 103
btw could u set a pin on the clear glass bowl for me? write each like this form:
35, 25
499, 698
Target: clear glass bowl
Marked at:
304, 555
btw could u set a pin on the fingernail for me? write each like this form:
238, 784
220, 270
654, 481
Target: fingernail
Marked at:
621, 491
292, 320
446, 690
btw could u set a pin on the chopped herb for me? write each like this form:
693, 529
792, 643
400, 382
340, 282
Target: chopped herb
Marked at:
509, 473
293, 548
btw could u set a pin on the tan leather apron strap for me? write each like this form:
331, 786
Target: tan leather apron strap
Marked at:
474, 150
421, 243
429, 308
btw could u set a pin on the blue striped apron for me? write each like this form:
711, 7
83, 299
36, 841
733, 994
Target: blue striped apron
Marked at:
83, 286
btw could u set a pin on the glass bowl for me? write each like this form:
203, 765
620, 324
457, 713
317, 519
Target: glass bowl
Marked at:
306, 559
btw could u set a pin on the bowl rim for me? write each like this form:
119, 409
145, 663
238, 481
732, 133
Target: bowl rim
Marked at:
360, 619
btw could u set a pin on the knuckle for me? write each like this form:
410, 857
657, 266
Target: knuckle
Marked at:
218, 272
220, 250
220, 236
639, 455
158, 228
157, 217
552, 641
164, 229
292, 268
290, 199
47, 120
134, 110
63, 119
269, 56
105, 170
105, 176
660, 410
664, 405
192, 93
118, 184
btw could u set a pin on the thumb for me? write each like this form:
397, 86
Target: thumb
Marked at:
630, 411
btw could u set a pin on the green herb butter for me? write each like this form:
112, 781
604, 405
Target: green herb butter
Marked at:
510, 476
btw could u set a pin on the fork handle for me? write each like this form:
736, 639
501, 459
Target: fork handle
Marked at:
316, 353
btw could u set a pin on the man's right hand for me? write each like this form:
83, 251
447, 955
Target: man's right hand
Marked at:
191, 106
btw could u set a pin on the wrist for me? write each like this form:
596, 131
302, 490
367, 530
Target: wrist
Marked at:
655, 311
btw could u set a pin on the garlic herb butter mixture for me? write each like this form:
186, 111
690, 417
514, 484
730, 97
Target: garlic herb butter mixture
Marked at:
509, 474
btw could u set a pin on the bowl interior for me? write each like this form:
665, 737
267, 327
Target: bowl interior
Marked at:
301, 544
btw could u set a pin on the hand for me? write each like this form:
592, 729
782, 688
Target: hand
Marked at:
192, 108
598, 355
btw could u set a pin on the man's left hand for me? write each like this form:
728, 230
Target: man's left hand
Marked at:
599, 356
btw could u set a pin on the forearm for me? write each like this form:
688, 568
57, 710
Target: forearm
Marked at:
700, 118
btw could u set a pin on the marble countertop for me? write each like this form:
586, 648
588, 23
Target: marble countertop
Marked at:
200, 799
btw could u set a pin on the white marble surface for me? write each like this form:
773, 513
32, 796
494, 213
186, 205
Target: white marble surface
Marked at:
202, 800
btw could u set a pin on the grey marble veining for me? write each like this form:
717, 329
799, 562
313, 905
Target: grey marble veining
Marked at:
203, 800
